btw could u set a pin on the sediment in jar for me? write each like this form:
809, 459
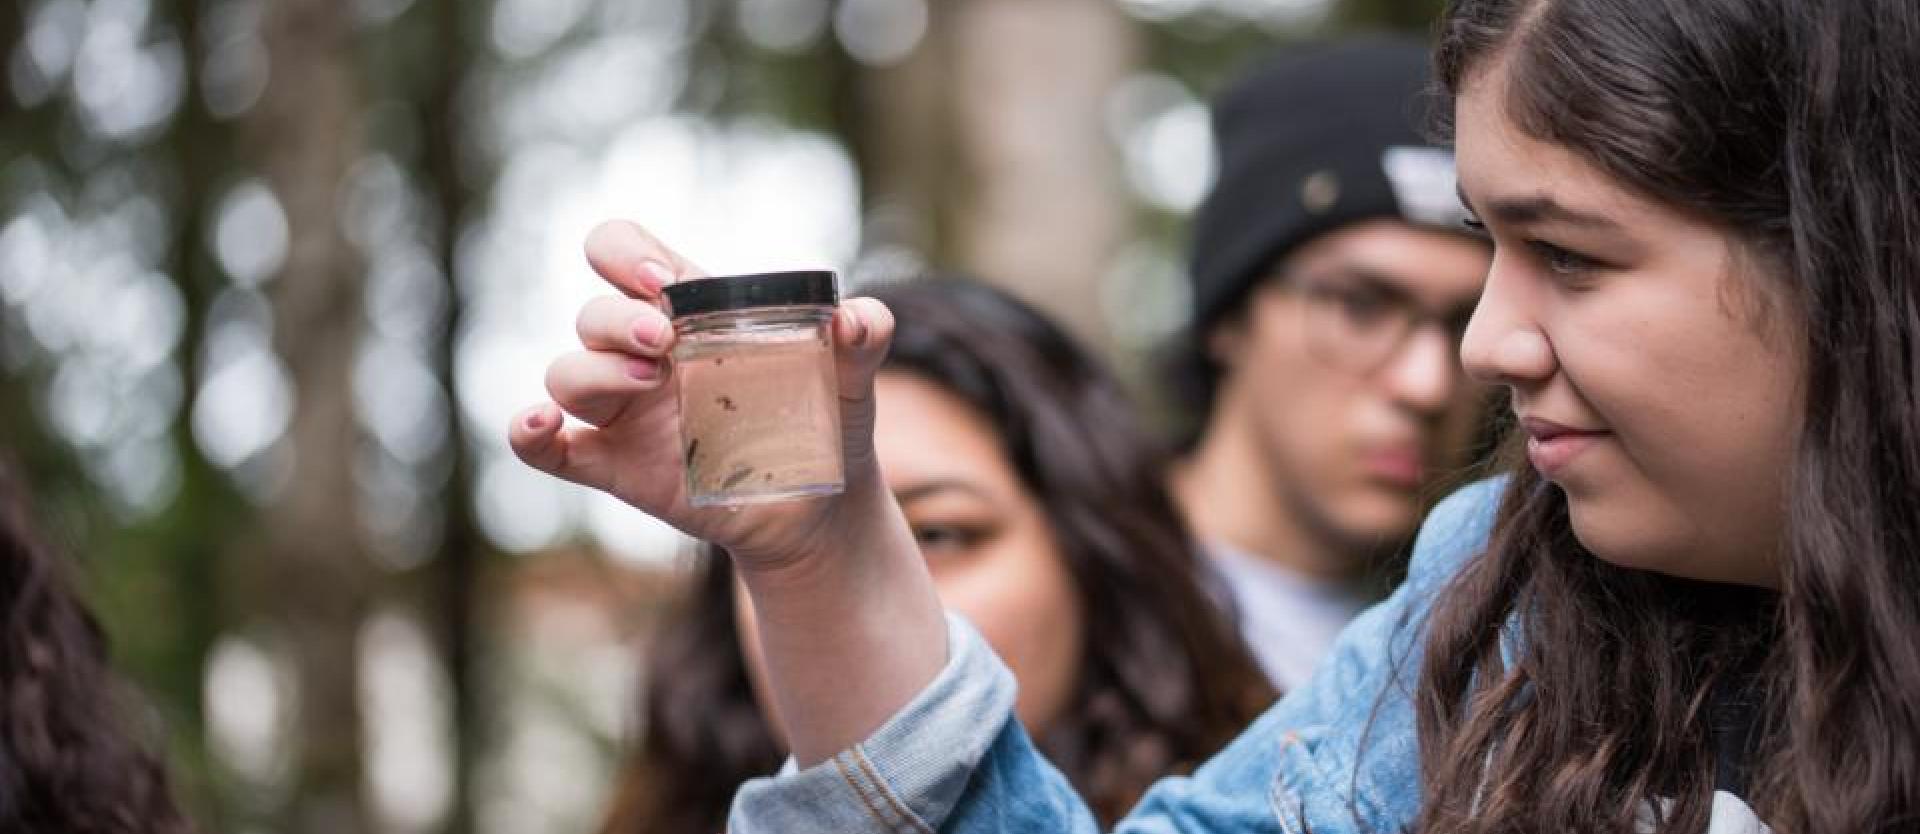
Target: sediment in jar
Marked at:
759, 415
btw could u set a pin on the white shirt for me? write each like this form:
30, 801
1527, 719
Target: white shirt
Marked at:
1288, 619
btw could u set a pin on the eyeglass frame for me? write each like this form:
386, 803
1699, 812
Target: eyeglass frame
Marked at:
1332, 299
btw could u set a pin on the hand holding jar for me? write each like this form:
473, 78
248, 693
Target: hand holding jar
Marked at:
636, 375
674, 431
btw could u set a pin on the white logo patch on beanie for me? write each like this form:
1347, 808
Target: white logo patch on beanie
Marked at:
1423, 185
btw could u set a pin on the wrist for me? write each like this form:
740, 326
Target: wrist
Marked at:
858, 536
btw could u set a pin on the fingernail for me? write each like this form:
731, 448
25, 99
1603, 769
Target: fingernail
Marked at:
643, 370
648, 334
537, 420
657, 272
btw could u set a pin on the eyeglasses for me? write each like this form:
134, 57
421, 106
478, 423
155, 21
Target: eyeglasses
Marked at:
1357, 324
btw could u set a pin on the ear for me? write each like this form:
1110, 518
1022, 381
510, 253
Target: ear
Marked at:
1228, 340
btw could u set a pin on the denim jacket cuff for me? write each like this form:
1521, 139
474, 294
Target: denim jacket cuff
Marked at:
906, 777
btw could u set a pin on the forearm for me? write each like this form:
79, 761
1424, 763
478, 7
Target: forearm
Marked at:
953, 759
851, 633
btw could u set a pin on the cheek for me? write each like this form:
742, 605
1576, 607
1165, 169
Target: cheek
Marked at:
1020, 596
1275, 364
1717, 463
1702, 407
1302, 406
1702, 404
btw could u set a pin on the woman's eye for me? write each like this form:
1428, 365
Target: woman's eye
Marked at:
942, 538
1562, 261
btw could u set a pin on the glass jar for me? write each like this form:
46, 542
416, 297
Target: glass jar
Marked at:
759, 399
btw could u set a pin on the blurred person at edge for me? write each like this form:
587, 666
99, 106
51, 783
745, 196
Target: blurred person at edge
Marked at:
69, 761
1332, 281
1029, 488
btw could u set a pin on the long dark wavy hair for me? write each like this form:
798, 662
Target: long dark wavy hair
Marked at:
1164, 679
68, 761
1797, 124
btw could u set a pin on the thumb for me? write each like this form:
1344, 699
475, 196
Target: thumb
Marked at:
540, 437
862, 332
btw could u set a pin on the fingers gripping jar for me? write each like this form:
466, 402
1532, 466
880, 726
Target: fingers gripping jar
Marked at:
759, 402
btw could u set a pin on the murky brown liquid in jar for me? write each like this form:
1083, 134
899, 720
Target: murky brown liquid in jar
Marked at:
760, 416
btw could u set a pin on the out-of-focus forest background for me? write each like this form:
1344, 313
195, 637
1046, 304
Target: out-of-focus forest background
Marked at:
275, 273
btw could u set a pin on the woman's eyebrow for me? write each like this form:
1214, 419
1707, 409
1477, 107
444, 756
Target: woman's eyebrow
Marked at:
913, 492
1538, 208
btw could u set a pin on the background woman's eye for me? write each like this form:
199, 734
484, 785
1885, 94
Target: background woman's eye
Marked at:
944, 538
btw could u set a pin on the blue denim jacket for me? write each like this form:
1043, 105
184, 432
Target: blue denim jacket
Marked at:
1337, 756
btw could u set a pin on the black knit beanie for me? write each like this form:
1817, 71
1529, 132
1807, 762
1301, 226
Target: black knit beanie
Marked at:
1318, 138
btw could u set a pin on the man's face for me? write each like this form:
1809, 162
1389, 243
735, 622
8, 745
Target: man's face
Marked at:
1346, 369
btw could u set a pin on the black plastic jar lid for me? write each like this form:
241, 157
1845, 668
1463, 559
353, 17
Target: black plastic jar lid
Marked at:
745, 292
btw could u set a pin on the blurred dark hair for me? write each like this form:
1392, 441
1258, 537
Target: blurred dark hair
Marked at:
1164, 680
1190, 378
68, 760
1794, 124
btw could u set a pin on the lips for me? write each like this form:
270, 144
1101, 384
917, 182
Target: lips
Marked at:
1552, 447
1401, 467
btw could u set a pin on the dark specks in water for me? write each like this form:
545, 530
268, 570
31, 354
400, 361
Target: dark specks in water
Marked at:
738, 475
693, 448
726, 403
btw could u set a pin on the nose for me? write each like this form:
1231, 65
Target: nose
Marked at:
1504, 344
1425, 372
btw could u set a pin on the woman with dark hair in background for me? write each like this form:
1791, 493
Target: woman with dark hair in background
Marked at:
1034, 496
68, 762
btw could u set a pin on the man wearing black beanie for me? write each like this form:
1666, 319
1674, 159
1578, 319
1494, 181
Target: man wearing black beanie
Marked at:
1332, 279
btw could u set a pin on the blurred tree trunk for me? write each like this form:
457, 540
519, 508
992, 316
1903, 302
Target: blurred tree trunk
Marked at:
993, 131
460, 560
13, 24
1043, 209
314, 576
198, 531
22, 437
896, 122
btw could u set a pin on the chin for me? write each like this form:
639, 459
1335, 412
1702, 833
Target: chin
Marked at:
1622, 542
1378, 518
